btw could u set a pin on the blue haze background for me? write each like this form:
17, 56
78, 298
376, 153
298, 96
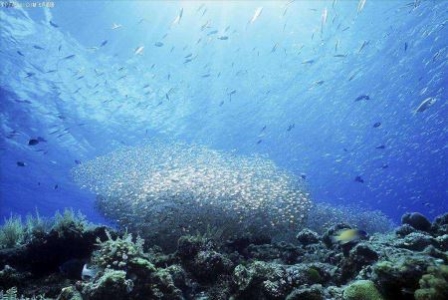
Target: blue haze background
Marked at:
282, 68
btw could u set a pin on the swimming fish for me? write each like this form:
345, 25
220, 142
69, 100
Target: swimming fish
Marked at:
70, 56
223, 38
139, 50
54, 25
33, 142
323, 20
21, 164
347, 235
38, 47
116, 26
365, 43
212, 32
104, 43
376, 124
361, 5
380, 147
20, 53
362, 97
158, 44
256, 14
308, 62
359, 179
178, 18
427, 103
72, 268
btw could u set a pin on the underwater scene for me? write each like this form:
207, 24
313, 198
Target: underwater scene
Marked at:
214, 150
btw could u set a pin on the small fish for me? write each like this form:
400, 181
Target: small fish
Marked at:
20, 53
323, 19
274, 48
308, 62
359, 179
38, 47
116, 26
405, 46
346, 28
223, 38
33, 142
212, 32
158, 44
51, 71
188, 56
178, 18
259, 142
340, 55
427, 103
70, 56
72, 268
303, 176
257, 13
380, 147
104, 43
376, 124
29, 74
56, 186
205, 75
384, 166
54, 25
361, 5
291, 126
139, 50
362, 97
365, 43
21, 164
263, 129
348, 235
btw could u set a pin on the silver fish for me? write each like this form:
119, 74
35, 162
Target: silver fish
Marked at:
427, 103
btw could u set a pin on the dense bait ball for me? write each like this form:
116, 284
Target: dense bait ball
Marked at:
165, 190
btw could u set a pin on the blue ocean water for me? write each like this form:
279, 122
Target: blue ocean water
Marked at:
334, 91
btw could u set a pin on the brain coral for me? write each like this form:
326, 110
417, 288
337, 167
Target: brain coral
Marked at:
169, 189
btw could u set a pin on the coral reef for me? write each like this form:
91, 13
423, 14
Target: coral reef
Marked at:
406, 263
362, 290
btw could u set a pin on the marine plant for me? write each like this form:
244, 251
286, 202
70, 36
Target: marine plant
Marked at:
12, 232
69, 221
11, 294
36, 226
